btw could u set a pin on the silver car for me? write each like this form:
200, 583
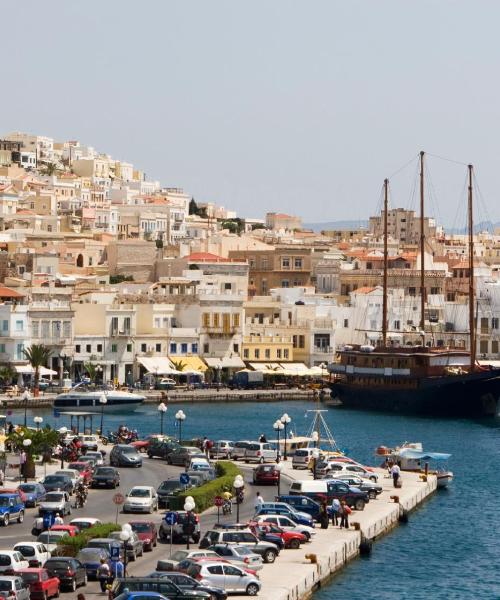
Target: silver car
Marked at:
241, 556
55, 502
229, 577
12, 586
141, 498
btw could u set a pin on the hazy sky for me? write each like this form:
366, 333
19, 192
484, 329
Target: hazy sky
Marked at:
301, 107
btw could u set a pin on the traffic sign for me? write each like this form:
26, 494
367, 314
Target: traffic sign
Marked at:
115, 553
219, 501
184, 478
171, 518
118, 498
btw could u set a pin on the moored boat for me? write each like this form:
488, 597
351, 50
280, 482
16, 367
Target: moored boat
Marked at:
88, 398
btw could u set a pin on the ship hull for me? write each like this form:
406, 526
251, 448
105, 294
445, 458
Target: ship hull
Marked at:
474, 395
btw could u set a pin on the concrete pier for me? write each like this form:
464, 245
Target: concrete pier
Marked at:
293, 577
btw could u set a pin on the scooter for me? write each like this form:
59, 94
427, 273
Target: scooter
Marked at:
227, 507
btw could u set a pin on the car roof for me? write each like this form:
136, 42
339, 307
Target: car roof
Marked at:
9, 494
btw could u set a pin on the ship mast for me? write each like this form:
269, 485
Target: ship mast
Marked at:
472, 318
422, 250
384, 299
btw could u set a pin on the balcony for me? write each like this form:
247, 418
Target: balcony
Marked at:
323, 350
116, 332
53, 341
221, 331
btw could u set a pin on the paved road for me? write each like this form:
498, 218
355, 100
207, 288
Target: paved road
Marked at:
100, 505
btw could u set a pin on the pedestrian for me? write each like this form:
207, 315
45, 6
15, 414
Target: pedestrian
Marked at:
323, 514
204, 446
259, 501
58, 520
263, 439
103, 574
117, 569
345, 511
335, 511
396, 473
2, 476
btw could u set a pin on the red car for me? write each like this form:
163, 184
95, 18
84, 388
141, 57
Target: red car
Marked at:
14, 491
266, 474
71, 530
84, 468
142, 445
41, 584
146, 532
291, 539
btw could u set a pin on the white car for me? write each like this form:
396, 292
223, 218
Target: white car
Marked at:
287, 524
333, 468
141, 498
34, 552
85, 522
12, 560
228, 577
89, 442
50, 538
73, 474
198, 464
97, 456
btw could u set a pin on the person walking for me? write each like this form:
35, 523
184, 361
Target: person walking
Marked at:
117, 569
335, 511
323, 515
396, 474
259, 501
345, 511
103, 574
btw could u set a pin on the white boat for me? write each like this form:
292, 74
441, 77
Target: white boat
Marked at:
88, 398
411, 457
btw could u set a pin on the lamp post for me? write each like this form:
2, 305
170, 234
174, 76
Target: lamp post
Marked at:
26, 444
285, 419
103, 399
162, 409
219, 369
278, 426
180, 416
315, 455
63, 431
189, 505
37, 421
125, 536
238, 483
279, 468
26, 396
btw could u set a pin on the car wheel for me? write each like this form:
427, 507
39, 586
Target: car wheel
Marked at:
359, 504
196, 538
20, 518
150, 455
269, 556
6, 519
85, 579
46, 595
294, 544
133, 558
372, 495
252, 589
72, 586
56, 595
374, 479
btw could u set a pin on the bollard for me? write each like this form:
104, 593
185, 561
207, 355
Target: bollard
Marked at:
356, 526
395, 499
312, 557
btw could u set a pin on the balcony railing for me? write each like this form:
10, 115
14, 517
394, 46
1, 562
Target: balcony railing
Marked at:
323, 350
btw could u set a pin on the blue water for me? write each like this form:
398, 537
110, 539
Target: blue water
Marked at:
451, 546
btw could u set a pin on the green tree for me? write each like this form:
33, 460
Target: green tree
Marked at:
38, 356
91, 371
43, 441
49, 168
193, 207
179, 365
7, 374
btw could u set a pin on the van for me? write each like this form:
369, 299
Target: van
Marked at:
260, 452
239, 449
328, 490
301, 458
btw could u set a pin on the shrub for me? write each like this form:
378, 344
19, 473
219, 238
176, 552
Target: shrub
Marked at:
205, 494
70, 546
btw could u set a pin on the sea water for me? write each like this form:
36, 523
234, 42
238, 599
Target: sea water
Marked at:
450, 547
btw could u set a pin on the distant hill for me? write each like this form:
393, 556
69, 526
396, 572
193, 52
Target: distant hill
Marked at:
335, 225
478, 228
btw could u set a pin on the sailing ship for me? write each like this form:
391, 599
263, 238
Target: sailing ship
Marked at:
419, 379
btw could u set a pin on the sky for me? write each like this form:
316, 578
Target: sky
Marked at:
293, 106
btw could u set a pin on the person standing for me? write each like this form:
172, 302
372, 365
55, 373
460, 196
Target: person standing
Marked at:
259, 501
58, 520
117, 569
396, 474
335, 511
345, 511
323, 515
103, 574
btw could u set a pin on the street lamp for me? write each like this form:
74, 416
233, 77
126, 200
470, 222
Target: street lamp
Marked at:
162, 409
125, 536
180, 416
279, 468
63, 431
238, 483
103, 399
26, 444
315, 455
278, 426
37, 421
285, 419
26, 396
189, 505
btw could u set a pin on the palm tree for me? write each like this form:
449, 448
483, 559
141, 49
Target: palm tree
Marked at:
91, 370
178, 364
7, 374
38, 355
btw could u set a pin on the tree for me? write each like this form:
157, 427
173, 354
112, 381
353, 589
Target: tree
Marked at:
7, 374
37, 355
193, 207
179, 365
43, 441
91, 371
49, 168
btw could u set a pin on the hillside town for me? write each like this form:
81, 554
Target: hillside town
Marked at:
109, 268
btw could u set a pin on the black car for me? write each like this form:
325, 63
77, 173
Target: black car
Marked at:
157, 584
185, 582
70, 571
62, 483
161, 448
167, 490
105, 477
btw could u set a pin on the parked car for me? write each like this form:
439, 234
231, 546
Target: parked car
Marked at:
143, 445
71, 530
141, 498
167, 564
50, 538
89, 442
69, 570
334, 468
231, 578
96, 455
41, 584
302, 504
365, 485
84, 469
14, 490
266, 474
84, 522
146, 532
166, 383
134, 545
269, 531
286, 523
33, 493
90, 460
105, 477
140, 596
330, 489
281, 508
182, 455
158, 585
238, 555
13, 586
167, 490
35, 553
11, 561
58, 482
179, 532
161, 447
91, 560
221, 449
260, 452
185, 582
301, 458
244, 537
124, 456
106, 543
239, 449
55, 502
11, 509
199, 464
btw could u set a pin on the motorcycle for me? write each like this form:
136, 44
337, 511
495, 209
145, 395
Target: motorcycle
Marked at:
80, 497
227, 507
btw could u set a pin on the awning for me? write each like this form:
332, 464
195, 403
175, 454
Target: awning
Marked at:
270, 368
296, 368
29, 370
229, 362
193, 364
158, 365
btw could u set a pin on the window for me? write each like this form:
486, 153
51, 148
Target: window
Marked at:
216, 319
286, 353
236, 319
129, 347
294, 338
278, 353
412, 291
5, 325
434, 290
236, 348
157, 322
267, 353
246, 353
19, 351
114, 325
2, 348
256, 353
346, 322
494, 347
302, 341
285, 283
227, 286
206, 348
126, 324
19, 325
173, 348
298, 263
67, 329
483, 346
397, 325
99, 347
184, 348
285, 262
35, 326
143, 348
78, 348
158, 348
494, 323
194, 348
114, 347
88, 348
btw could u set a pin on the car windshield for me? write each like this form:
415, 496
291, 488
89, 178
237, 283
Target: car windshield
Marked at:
56, 564
105, 471
141, 527
91, 554
29, 577
51, 537
170, 485
77, 467
128, 450
54, 497
4, 501
28, 488
26, 550
241, 550
5, 586
140, 493
54, 478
